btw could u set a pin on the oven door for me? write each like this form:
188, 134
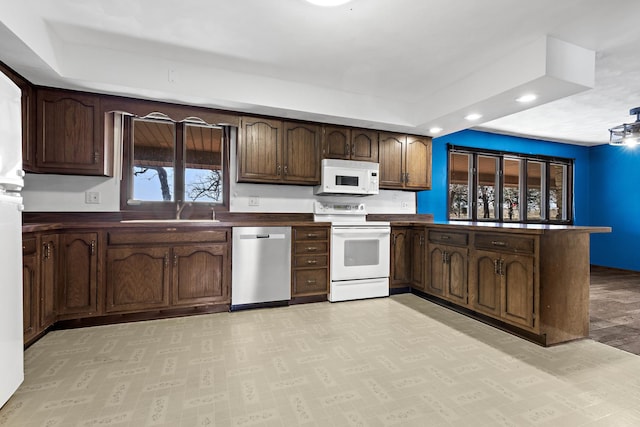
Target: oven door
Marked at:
359, 252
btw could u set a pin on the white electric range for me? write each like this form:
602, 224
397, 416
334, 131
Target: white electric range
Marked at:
360, 251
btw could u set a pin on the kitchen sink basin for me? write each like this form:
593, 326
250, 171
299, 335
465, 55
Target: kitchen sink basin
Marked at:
164, 221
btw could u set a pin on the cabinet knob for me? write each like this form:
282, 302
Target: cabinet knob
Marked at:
93, 247
498, 243
312, 261
311, 282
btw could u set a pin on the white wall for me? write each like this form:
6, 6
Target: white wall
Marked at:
66, 193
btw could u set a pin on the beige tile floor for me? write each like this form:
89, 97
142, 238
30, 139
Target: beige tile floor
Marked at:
398, 361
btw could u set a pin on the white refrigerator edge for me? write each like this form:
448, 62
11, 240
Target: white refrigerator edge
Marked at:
11, 183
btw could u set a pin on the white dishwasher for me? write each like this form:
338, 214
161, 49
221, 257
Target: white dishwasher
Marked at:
261, 266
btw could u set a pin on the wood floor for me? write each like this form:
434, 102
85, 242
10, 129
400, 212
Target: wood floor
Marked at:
615, 308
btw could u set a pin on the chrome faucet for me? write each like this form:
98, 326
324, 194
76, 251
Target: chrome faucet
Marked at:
180, 205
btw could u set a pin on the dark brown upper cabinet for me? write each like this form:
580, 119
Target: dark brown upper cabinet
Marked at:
405, 161
70, 134
278, 152
349, 144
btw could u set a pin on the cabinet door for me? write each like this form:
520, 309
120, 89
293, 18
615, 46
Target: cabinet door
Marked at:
400, 257
418, 163
336, 142
435, 259
259, 150
137, 278
417, 258
69, 133
518, 289
28, 127
29, 288
391, 151
364, 145
301, 153
456, 268
78, 274
200, 274
48, 300
307, 282
486, 283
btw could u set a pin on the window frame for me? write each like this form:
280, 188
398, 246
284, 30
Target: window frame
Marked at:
545, 179
162, 209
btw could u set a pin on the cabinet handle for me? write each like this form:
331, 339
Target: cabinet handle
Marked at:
444, 258
346, 149
311, 235
394, 239
96, 156
447, 257
311, 282
406, 177
445, 237
498, 243
46, 250
501, 267
93, 247
311, 249
312, 261
278, 168
495, 266
175, 260
353, 150
166, 259
286, 169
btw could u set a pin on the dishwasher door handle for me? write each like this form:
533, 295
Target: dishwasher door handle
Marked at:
262, 236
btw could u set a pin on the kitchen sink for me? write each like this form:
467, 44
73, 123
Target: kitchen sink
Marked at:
173, 221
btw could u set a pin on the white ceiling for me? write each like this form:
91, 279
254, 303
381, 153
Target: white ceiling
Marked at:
403, 65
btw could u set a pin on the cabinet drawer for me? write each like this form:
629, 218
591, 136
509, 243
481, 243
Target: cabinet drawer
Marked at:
29, 246
310, 281
446, 237
168, 235
310, 233
519, 244
310, 261
310, 247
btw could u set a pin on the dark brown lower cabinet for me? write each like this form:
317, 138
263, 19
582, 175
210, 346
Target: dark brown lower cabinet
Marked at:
144, 273
39, 303
30, 285
137, 279
401, 254
504, 287
418, 243
200, 274
310, 261
78, 275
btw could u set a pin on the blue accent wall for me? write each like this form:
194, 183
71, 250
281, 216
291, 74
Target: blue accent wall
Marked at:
614, 185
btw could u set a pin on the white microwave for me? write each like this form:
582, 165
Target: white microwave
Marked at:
348, 177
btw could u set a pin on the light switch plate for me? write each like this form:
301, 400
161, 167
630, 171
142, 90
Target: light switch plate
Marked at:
254, 201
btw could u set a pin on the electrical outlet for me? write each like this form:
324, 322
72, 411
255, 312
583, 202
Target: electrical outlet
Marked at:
404, 205
92, 197
254, 201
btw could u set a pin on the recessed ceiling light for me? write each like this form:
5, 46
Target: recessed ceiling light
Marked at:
529, 97
473, 116
328, 2
435, 130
